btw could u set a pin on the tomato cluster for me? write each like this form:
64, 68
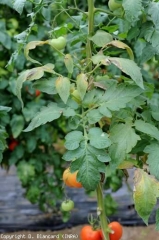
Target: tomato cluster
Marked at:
70, 179
88, 233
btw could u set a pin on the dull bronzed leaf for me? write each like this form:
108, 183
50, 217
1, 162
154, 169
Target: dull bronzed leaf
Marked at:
30, 75
122, 45
30, 46
130, 68
146, 192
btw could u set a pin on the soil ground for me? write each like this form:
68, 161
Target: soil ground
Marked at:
130, 233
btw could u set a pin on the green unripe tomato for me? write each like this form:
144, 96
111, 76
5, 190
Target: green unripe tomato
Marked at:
67, 205
58, 43
114, 5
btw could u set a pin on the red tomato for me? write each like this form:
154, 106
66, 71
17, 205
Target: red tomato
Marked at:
37, 93
118, 231
12, 145
87, 233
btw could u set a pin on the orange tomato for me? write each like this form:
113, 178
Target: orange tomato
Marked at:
70, 179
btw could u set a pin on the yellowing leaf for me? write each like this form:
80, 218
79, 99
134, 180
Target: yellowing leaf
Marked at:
122, 45
63, 88
30, 46
82, 85
146, 192
127, 164
68, 63
30, 75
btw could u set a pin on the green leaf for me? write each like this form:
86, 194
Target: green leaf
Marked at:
74, 154
17, 125
94, 116
132, 10
63, 88
47, 114
82, 85
74, 122
153, 151
69, 112
101, 38
88, 173
98, 58
153, 10
157, 220
116, 98
101, 154
123, 139
105, 111
5, 109
46, 85
18, 5
154, 105
146, 192
31, 144
73, 140
98, 138
147, 128
130, 68
25, 172
69, 63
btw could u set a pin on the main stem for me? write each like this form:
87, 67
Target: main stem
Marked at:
101, 212
90, 33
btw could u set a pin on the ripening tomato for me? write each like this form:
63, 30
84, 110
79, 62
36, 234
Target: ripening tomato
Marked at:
117, 231
88, 233
12, 145
70, 179
37, 93
67, 205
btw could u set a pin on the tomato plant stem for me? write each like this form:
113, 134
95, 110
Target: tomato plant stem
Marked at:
101, 212
90, 33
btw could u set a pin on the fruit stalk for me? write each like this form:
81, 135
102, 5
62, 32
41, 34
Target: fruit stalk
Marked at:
101, 212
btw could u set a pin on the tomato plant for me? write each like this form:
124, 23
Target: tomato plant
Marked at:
102, 81
67, 205
88, 233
